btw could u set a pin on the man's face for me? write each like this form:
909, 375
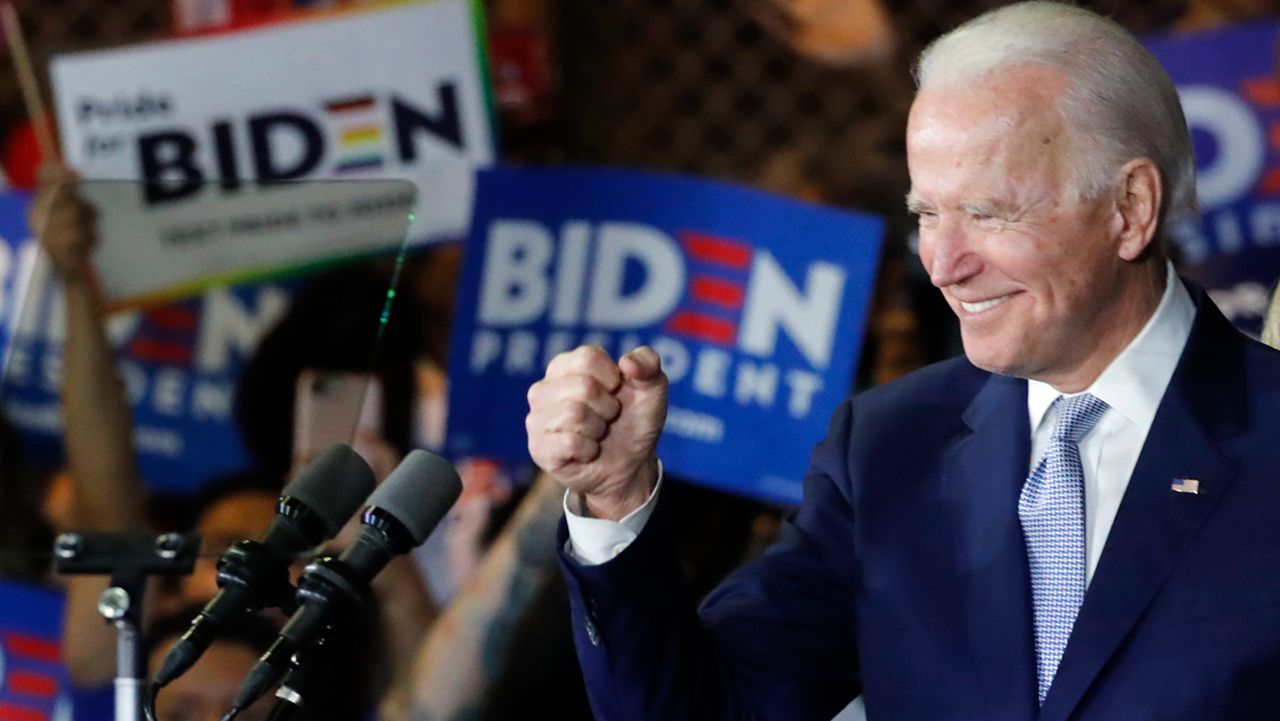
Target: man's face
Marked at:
1029, 268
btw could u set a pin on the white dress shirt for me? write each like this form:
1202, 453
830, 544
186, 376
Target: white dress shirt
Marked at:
593, 541
1132, 385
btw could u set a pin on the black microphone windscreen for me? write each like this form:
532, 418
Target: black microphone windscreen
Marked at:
418, 492
332, 485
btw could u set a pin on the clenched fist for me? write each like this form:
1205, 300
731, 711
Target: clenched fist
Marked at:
593, 425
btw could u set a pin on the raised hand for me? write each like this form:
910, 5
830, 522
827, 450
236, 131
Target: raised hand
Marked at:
63, 222
593, 425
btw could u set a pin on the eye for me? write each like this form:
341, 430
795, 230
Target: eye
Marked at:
926, 218
987, 221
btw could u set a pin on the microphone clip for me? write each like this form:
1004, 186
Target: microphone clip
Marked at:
329, 594
253, 567
335, 589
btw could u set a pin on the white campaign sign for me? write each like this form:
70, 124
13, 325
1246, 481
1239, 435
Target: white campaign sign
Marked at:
393, 92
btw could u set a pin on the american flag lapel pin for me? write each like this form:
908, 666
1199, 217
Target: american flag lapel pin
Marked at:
1186, 485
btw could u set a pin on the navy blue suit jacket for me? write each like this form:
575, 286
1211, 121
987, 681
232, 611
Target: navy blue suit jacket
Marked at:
903, 576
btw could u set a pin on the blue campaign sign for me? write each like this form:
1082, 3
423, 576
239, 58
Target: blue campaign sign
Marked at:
33, 683
1229, 85
17, 250
755, 303
179, 362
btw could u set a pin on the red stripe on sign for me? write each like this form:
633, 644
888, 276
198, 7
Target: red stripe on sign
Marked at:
172, 318
1271, 182
20, 644
32, 684
720, 251
714, 291
155, 351
703, 327
343, 105
14, 712
1262, 91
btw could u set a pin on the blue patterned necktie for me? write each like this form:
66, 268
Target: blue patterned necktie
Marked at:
1051, 509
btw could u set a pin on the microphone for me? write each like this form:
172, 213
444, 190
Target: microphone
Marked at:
313, 506
398, 517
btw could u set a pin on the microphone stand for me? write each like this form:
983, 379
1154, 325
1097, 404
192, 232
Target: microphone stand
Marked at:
121, 606
245, 564
129, 558
304, 674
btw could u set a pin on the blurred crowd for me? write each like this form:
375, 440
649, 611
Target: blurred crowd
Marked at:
475, 625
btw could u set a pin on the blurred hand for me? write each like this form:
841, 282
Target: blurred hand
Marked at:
834, 32
63, 222
594, 424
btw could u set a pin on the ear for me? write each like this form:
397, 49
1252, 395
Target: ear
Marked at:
1140, 193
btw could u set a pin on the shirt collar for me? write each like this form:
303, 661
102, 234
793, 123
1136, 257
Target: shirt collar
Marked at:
1135, 381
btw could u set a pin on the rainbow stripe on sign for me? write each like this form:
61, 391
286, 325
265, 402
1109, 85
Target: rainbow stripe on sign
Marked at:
359, 134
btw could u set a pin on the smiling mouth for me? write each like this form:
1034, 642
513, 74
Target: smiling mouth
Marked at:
985, 305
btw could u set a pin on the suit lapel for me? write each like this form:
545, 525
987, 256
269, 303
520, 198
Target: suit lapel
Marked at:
1154, 525
987, 475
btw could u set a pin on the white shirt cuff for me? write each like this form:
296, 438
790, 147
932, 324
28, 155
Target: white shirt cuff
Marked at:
593, 541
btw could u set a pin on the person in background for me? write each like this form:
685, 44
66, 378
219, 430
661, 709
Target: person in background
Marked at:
100, 486
230, 508
459, 661
106, 494
207, 690
97, 420
833, 32
23, 524
1208, 14
333, 325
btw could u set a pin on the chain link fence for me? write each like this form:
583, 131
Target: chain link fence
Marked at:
683, 85
697, 86
53, 26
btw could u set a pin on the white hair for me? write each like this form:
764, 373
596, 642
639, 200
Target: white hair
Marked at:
1120, 102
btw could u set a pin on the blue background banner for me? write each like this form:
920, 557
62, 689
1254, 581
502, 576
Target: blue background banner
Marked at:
756, 303
179, 361
17, 249
1230, 90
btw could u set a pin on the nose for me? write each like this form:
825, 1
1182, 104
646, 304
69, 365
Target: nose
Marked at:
947, 252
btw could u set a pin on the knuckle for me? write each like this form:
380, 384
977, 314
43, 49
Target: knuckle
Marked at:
559, 363
587, 387
577, 413
589, 359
